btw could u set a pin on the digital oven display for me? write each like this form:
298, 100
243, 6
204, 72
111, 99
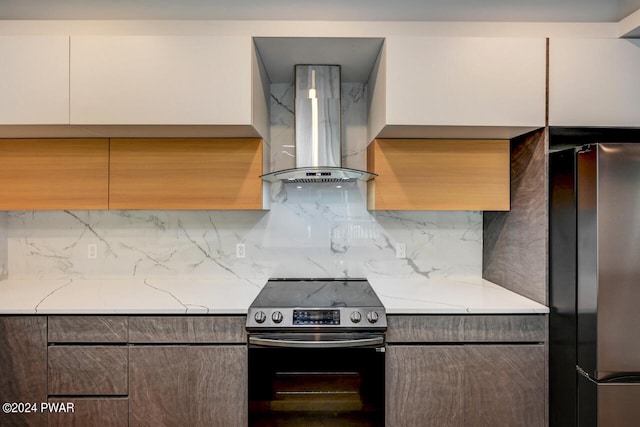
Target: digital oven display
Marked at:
316, 317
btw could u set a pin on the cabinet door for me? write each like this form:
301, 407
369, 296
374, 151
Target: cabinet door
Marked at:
159, 386
425, 386
458, 87
429, 174
54, 174
188, 386
161, 80
505, 385
34, 80
218, 380
185, 174
594, 82
23, 367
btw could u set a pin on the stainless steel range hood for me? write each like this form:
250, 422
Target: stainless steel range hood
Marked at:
318, 148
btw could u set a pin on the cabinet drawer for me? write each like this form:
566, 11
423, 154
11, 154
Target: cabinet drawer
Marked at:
86, 329
505, 328
466, 328
185, 329
104, 412
403, 328
88, 370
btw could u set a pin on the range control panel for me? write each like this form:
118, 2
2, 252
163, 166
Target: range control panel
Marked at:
316, 317
362, 317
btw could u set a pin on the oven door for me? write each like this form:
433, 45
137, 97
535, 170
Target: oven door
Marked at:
316, 380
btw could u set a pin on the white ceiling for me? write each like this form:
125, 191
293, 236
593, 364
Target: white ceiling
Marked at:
332, 10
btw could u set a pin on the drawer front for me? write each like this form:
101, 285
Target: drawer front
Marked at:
88, 329
88, 370
103, 412
185, 329
505, 328
409, 328
466, 328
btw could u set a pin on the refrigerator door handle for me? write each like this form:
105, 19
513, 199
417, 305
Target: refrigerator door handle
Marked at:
585, 374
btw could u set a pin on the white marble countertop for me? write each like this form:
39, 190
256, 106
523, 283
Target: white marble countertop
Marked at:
453, 295
233, 296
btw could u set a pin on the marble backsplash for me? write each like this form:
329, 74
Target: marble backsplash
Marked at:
307, 233
311, 230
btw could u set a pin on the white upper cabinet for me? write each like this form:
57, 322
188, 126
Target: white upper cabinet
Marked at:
594, 82
458, 87
34, 80
167, 80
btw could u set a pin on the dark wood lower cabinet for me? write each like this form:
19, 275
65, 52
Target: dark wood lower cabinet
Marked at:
88, 370
440, 371
159, 386
466, 385
103, 412
218, 375
505, 385
425, 386
23, 368
188, 385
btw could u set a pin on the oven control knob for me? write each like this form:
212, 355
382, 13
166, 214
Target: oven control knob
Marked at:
260, 317
372, 317
355, 317
276, 317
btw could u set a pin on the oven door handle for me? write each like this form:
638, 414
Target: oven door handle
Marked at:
362, 342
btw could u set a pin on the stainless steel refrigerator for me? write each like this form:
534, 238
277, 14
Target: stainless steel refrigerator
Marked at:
594, 226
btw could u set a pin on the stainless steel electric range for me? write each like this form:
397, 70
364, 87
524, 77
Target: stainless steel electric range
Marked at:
316, 353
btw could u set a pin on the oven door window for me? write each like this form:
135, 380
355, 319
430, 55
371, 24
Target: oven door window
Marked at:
316, 387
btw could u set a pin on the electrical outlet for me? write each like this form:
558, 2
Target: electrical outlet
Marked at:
240, 252
92, 251
401, 250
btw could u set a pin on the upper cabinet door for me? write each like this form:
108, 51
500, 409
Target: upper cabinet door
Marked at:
430, 174
171, 173
594, 82
34, 80
54, 174
160, 80
458, 87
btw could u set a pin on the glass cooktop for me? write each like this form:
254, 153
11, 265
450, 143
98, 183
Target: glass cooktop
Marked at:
317, 293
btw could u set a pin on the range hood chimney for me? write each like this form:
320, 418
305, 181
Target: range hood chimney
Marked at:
318, 148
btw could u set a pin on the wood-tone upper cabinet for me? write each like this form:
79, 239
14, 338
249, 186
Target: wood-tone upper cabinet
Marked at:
23, 368
458, 87
427, 174
594, 82
168, 80
185, 174
54, 174
34, 80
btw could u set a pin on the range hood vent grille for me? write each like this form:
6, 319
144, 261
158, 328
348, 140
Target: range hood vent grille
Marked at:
318, 148
312, 175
